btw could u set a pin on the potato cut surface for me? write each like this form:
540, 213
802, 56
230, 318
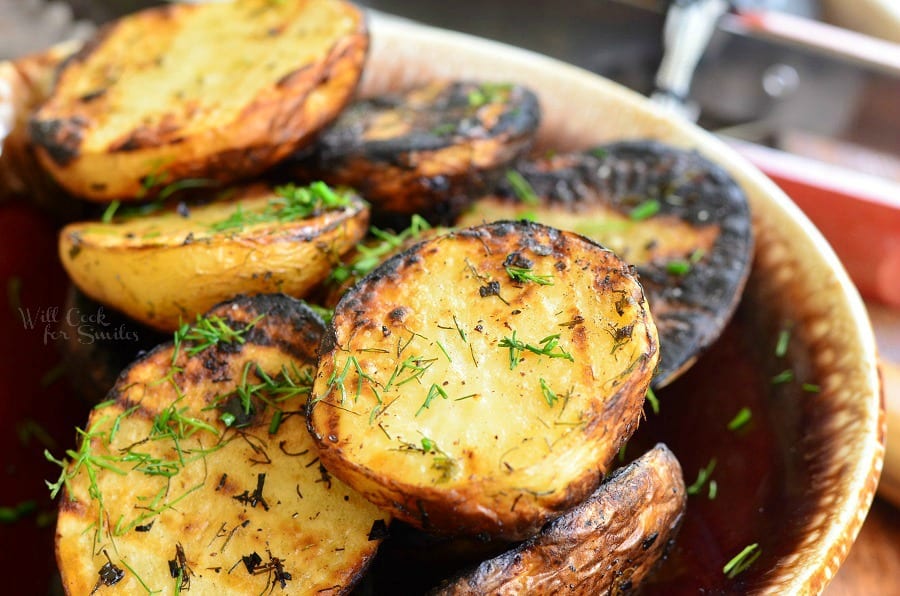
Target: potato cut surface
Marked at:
212, 90
483, 380
680, 219
165, 268
198, 475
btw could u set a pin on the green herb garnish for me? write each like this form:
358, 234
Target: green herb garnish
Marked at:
785, 376
433, 392
781, 346
742, 561
522, 188
546, 348
703, 476
548, 393
523, 275
652, 400
370, 256
644, 210
290, 204
811, 388
207, 332
740, 419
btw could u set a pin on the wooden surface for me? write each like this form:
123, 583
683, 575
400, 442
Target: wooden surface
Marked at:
873, 565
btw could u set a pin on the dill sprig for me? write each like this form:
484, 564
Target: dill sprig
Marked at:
370, 256
742, 561
522, 188
522, 275
207, 332
703, 476
291, 203
546, 348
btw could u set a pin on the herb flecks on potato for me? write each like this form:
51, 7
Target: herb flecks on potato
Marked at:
198, 474
605, 545
218, 91
167, 267
483, 381
680, 219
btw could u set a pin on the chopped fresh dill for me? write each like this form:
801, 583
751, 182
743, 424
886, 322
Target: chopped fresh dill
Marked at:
811, 388
713, 490
522, 188
742, 561
433, 392
522, 275
785, 376
741, 419
703, 476
207, 332
781, 346
652, 400
644, 210
487, 93
678, 267
549, 395
110, 211
370, 256
290, 204
327, 314
546, 348
21, 510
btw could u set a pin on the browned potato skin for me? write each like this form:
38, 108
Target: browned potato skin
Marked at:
483, 499
606, 545
387, 149
180, 267
197, 137
308, 516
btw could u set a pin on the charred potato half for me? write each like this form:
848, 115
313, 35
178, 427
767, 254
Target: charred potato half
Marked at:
680, 219
165, 268
482, 381
428, 150
605, 545
217, 91
198, 473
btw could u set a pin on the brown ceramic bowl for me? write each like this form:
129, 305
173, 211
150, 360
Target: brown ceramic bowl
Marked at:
797, 480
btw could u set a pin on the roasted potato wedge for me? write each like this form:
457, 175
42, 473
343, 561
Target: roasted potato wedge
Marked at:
165, 268
605, 545
482, 381
198, 473
425, 151
680, 219
217, 91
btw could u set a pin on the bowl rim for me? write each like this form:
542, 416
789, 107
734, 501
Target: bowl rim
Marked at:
445, 53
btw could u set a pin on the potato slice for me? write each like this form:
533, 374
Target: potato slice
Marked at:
483, 381
427, 150
217, 90
198, 473
682, 220
605, 545
165, 268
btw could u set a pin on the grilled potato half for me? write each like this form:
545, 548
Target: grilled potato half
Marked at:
427, 150
198, 473
217, 91
167, 267
482, 381
605, 545
680, 219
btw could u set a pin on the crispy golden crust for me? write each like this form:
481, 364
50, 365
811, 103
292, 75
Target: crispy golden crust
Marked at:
428, 150
189, 501
217, 91
605, 545
165, 268
680, 219
466, 401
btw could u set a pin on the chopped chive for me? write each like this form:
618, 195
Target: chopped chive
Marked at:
110, 211
522, 188
811, 388
648, 208
702, 477
785, 376
652, 400
742, 561
740, 419
276, 422
678, 267
781, 345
